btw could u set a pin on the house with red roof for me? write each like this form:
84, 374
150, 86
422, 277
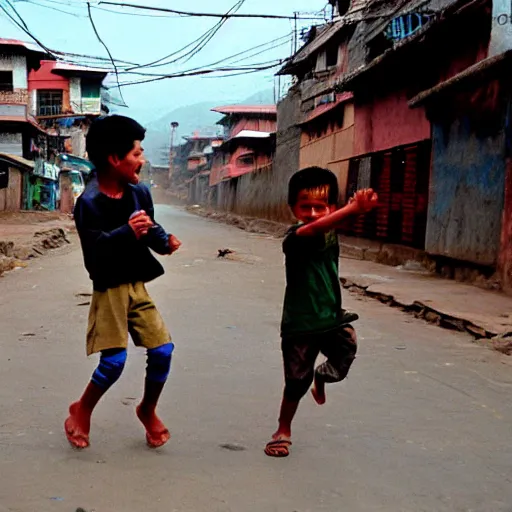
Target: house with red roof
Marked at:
18, 128
66, 97
249, 141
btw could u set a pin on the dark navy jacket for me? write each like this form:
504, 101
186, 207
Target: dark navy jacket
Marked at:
115, 256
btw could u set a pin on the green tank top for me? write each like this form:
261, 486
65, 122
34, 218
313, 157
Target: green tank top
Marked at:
312, 300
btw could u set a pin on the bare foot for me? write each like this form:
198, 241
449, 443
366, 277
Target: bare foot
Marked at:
279, 445
318, 393
78, 426
156, 432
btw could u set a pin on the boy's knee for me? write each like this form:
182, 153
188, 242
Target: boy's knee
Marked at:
159, 362
110, 368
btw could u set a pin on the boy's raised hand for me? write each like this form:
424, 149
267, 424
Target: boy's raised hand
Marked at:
140, 222
365, 200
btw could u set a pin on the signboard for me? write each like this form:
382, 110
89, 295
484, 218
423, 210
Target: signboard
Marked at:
46, 170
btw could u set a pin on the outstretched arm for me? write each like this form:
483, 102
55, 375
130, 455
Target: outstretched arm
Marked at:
363, 201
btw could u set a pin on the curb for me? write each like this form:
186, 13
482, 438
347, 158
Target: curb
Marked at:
501, 342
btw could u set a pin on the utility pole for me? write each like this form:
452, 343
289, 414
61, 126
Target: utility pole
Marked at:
174, 125
295, 45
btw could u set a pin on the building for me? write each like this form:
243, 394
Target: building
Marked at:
200, 152
325, 119
66, 97
248, 147
19, 131
15, 172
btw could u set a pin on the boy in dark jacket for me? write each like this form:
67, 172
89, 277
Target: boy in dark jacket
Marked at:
115, 221
313, 320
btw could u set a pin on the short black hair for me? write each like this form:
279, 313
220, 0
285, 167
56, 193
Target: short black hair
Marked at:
311, 178
112, 135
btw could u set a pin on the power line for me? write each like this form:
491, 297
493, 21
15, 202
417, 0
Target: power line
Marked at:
247, 69
199, 43
17, 14
225, 60
206, 14
55, 8
106, 48
133, 13
57, 54
26, 30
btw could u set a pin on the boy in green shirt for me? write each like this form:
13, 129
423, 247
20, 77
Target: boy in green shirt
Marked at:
313, 321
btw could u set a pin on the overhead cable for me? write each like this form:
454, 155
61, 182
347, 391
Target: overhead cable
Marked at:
106, 48
207, 14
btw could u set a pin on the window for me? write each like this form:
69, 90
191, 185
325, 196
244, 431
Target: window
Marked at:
90, 89
331, 56
49, 103
6, 84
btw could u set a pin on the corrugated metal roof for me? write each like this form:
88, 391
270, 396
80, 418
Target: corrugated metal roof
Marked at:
65, 66
252, 134
324, 34
15, 42
28, 164
450, 7
246, 109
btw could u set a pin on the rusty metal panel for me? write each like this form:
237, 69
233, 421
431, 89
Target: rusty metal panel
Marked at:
400, 177
466, 194
10, 196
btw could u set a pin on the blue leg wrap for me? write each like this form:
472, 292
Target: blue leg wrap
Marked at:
110, 368
159, 362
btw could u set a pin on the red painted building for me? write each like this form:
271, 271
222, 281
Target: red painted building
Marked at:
60, 89
249, 133
392, 141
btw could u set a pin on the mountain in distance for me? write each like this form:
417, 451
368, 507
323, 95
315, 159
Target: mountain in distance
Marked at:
192, 118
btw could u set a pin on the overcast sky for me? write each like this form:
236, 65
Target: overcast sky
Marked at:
142, 39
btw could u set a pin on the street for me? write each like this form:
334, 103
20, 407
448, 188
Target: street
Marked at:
421, 424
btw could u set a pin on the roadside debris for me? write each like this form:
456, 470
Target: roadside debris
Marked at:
224, 252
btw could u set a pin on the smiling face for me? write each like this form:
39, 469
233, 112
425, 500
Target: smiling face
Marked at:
127, 169
312, 204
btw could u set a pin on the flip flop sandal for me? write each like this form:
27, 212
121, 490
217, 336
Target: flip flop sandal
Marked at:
276, 444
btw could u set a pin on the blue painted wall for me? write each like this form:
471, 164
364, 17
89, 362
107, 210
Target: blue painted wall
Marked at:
466, 193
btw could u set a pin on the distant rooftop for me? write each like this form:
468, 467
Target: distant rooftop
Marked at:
66, 66
16, 42
246, 109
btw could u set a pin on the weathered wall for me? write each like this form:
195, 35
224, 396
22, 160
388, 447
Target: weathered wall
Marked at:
10, 197
333, 150
11, 143
505, 257
18, 65
263, 193
75, 94
386, 122
466, 194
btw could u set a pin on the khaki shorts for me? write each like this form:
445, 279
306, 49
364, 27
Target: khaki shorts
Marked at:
117, 312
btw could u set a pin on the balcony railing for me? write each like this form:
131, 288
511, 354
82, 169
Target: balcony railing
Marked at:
49, 110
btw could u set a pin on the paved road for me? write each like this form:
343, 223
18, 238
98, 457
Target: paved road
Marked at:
422, 424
